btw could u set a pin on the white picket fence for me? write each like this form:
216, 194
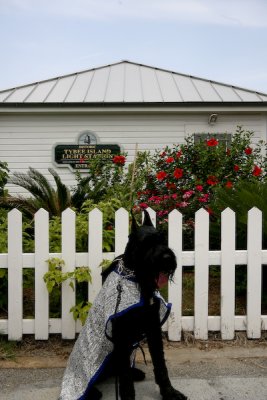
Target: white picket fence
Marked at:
201, 258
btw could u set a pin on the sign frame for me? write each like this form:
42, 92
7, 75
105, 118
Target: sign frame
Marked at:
77, 153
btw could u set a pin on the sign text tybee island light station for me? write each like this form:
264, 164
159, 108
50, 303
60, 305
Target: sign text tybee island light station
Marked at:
78, 156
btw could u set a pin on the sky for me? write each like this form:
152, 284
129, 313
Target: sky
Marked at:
221, 40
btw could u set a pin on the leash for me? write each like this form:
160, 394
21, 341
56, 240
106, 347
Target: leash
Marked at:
119, 289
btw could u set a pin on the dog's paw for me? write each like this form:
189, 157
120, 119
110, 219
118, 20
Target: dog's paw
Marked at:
126, 387
94, 394
124, 395
170, 393
137, 374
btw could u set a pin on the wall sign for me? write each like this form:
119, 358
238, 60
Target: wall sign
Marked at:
78, 156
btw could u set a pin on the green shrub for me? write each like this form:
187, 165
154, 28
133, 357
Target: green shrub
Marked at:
54, 279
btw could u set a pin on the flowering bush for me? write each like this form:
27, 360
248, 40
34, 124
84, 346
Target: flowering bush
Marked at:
119, 160
100, 178
186, 176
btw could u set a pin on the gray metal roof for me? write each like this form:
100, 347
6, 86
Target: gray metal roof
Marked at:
128, 82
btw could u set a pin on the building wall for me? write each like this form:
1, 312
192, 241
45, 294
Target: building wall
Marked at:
28, 139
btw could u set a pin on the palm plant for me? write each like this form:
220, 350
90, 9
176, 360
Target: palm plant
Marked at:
244, 196
3, 176
43, 194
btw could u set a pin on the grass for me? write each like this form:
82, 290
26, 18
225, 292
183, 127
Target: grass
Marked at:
7, 349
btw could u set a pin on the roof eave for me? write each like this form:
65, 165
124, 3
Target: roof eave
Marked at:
134, 106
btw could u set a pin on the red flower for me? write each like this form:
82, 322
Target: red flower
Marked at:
229, 184
178, 173
170, 185
204, 198
248, 150
183, 204
179, 153
256, 171
161, 175
188, 194
199, 188
163, 154
236, 168
169, 160
212, 180
228, 152
212, 142
119, 160
143, 205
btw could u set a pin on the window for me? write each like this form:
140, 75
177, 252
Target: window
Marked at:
223, 138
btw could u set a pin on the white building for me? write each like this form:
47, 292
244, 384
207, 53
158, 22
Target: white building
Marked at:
123, 103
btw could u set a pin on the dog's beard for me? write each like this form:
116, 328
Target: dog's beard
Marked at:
155, 269
165, 263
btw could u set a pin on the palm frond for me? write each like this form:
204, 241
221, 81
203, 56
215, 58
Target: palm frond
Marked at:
63, 193
27, 205
39, 187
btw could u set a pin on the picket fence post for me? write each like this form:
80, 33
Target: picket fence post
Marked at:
41, 267
95, 243
15, 278
228, 274
68, 255
175, 237
201, 274
121, 230
254, 246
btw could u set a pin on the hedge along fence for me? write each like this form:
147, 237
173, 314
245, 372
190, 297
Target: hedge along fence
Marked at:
200, 259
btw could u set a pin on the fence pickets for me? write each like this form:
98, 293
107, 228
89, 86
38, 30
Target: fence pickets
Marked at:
15, 283
254, 246
201, 274
41, 267
68, 244
175, 235
95, 254
201, 258
121, 231
228, 274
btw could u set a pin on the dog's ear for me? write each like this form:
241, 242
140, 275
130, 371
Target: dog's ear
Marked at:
134, 224
147, 220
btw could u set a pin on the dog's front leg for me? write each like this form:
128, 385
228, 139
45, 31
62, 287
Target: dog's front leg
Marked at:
122, 352
155, 345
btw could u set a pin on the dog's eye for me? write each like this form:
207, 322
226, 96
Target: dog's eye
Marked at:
166, 256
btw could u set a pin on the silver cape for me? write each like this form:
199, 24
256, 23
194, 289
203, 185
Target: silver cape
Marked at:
93, 347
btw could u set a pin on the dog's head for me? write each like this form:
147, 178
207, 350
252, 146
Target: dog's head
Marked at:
148, 255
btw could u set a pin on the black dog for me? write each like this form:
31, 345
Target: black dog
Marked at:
132, 311
148, 257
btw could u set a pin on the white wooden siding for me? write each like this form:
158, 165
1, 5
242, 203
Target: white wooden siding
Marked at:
28, 140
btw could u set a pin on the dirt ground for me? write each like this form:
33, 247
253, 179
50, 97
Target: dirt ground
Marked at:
55, 351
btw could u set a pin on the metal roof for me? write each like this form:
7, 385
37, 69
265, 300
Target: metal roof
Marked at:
128, 82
